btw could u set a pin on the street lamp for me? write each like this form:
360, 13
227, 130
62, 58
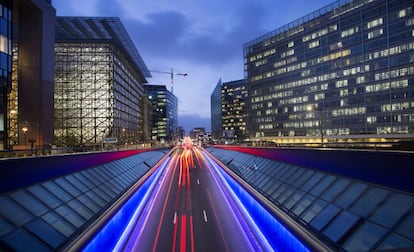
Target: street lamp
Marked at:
310, 108
25, 129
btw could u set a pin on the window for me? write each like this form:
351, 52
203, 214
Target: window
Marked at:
374, 23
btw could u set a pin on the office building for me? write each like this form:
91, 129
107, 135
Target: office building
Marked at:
215, 110
342, 73
234, 107
164, 120
99, 83
27, 84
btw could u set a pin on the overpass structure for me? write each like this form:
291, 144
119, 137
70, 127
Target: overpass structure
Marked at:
215, 198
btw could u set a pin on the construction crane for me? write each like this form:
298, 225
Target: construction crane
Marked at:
172, 73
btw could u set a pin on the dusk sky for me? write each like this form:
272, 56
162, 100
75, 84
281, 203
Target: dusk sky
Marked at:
201, 38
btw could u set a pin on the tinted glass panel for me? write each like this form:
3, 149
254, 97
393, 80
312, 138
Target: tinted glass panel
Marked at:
5, 227
303, 204
365, 237
70, 215
392, 210
31, 243
313, 210
59, 223
340, 226
312, 181
46, 233
57, 190
350, 194
325, 216
13, 212
406, 227
29, 202
44, 195
322, 185
80, 209
68, 187
337, 187
368, 201
75, 182
395, 241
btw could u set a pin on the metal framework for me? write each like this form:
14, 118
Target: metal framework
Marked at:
97, 95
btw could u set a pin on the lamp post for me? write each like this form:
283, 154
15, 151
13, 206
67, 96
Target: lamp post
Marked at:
25, 129
310, 108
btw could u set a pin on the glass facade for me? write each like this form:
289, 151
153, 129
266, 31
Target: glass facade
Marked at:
98, 88
215, 108
234, 109
5, 66
344, 70
164, 120
347, 214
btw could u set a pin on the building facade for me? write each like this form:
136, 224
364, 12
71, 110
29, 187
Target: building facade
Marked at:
215, 110
235, 109
343, 72
29, 98
99, 83
164, 121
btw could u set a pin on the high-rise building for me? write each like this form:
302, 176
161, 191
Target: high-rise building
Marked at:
99, 83
234, 107
215, 110
164, 121
340, 73
28, 96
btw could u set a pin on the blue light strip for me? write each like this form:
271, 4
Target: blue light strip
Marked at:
271, 232
115, 232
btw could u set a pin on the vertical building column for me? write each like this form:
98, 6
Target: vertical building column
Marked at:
36, 38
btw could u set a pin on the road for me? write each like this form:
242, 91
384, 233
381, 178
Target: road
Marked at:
190, 212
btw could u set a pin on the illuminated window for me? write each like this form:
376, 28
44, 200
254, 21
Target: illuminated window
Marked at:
375, 23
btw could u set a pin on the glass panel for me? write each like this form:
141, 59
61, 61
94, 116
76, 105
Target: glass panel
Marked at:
368, 201
31, 243
336, 188
4, 227
80, 209
96, 198
29, 202
57, 190
59, 223
82, 178
286, 194
45, 196
340, 226
406, 227
303, 178
303, 204
102, 194
365, 237
89, 203
13, 212
68, 187
392, 210
312, 181
293, 199
70, 216
313, 210
395, 241
46, 233
76, 183
350, 194
325, 216
294, 176
322, 185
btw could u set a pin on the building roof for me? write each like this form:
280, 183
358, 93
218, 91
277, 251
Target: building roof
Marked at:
75, 29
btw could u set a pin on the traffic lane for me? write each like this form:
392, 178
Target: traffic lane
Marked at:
159, 221
216, 228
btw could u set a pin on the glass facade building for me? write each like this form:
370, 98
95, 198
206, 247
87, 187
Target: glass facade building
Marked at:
5, 66
99, 83
345, 71
215, 109
234, 107
164, 120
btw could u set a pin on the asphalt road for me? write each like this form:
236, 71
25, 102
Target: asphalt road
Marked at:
190, 212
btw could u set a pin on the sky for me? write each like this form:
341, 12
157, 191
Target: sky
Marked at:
202, 38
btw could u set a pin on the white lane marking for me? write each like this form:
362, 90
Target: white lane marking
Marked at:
175, 218
205, 216
198, 181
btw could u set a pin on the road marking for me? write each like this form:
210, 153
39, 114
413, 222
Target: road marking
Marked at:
175, 217
205, 216
198, 181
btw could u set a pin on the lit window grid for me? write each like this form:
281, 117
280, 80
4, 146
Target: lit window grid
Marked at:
344, 62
